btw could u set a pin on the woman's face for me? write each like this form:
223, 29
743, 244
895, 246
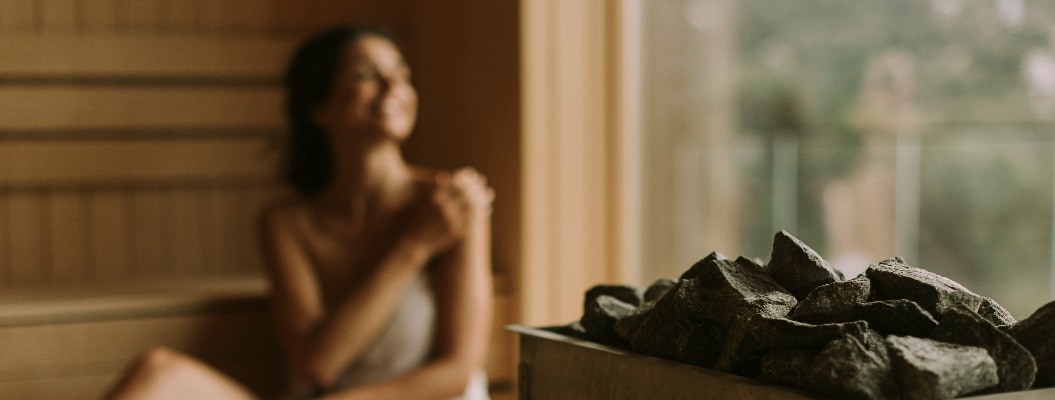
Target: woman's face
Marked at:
371, 94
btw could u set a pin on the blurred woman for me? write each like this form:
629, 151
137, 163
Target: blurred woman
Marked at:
379, 270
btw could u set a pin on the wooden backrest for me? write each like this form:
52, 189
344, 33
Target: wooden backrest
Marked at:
136, 138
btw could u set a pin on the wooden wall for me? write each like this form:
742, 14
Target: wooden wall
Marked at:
150, 122
135, 137
133, 131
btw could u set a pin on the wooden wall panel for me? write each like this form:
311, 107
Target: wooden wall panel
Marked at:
96, 235
245, 227
98, 15
238, 16
216, 236
181, 15
241, 251
253, 15
566, 140
33, 163
17, 15
142, 15
110, 235
219, 14
149, 246
185, 233
58, 16
5, 237
129, 56
34, 108
27, 239
70, 226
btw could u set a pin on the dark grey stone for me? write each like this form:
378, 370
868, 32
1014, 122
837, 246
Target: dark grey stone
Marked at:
929, 369
736, 316
693, 271
847, 369
624, 293
787, 366
833, 302
893, 279
603, 305
797, 267
598, 321
627, 326
1037, 334
783, 333
899, 317
995, 313
658, 288
706, 320
1015, 365
666, 330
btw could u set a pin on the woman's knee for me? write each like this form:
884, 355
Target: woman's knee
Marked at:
162, 360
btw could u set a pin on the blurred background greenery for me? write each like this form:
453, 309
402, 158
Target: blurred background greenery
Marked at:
868, 129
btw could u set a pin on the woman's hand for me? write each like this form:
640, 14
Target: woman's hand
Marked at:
454, 203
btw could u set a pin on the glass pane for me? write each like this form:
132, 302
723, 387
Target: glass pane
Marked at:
868, 129
986, 211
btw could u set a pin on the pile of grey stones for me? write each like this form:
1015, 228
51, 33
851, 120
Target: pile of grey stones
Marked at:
893, 332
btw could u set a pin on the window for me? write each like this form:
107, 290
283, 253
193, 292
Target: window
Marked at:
871, 129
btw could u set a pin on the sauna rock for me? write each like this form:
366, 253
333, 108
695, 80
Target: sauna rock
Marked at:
625, 293
929, 369
782, 333
1015, 365
895, 331
787, 366
834, 302
995, 313
846, 368
1037, 334
900, 317
893, 279
658, 288
599, 318
706, 320
798, 267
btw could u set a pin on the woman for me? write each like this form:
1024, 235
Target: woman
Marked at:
380, 270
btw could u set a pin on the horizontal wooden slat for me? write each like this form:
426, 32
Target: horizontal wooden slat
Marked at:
144, 55
86, 385
67, 107
17, 15
69, 303
29, 163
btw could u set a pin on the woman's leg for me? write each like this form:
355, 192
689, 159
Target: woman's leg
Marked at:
164, 374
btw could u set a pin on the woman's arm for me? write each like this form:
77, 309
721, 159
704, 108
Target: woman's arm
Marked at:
320, 342
296, 299
463, 289
464, 298
338, 339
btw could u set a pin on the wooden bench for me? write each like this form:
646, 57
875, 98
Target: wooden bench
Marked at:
74, 342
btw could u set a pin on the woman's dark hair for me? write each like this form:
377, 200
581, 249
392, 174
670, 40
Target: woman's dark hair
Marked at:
309, 79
